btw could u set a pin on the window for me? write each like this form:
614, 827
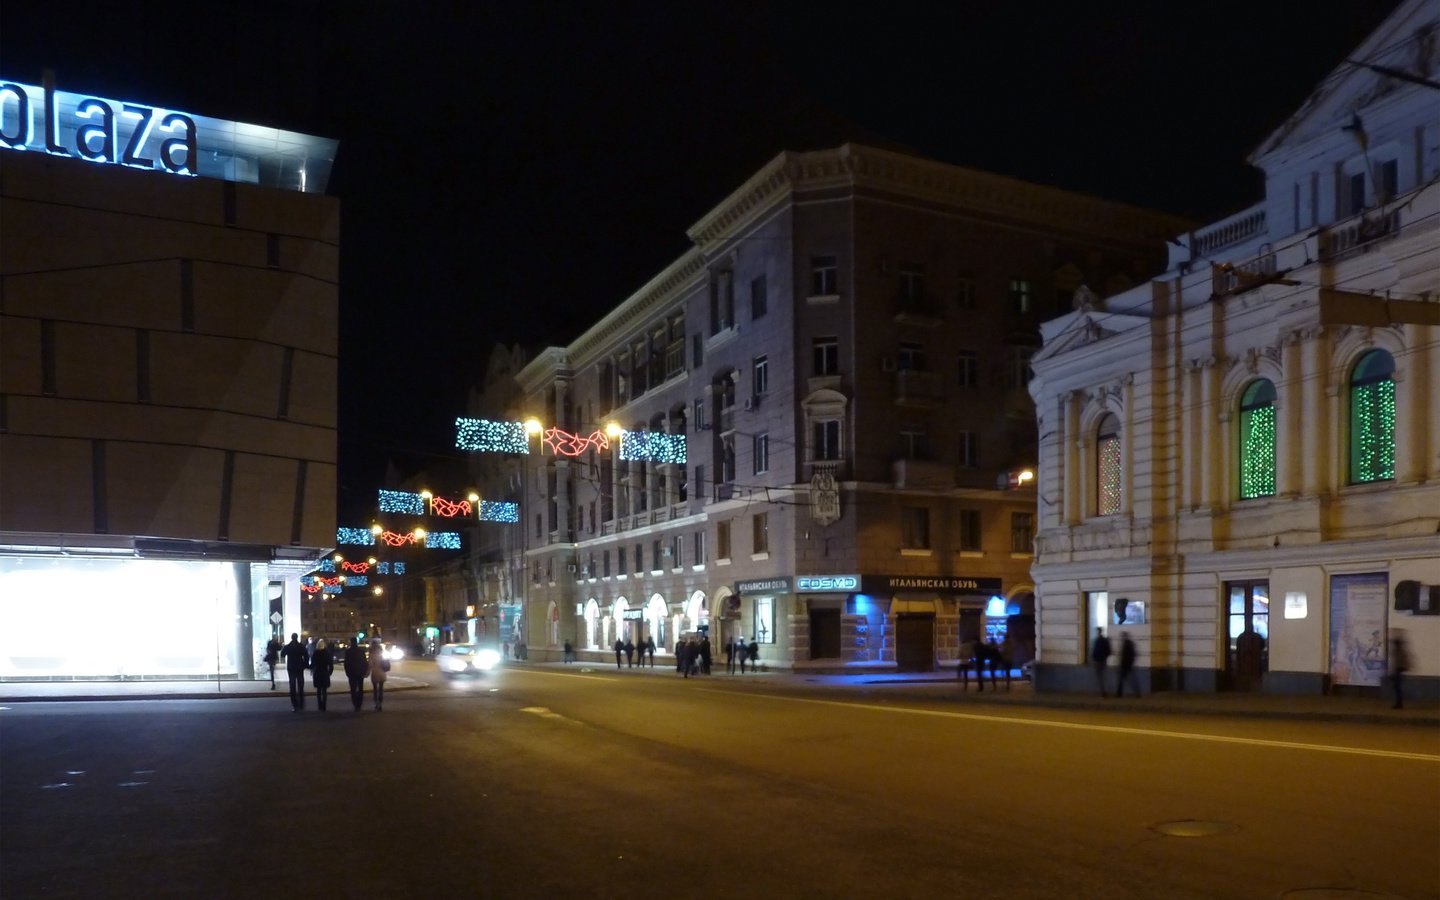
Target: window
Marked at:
1257, 440
605, 558
700, 557
825, 439
762, 453
620, 561
700, 422
969, 369
914, 444
969, 449
1372, 418
823, 276
912, 357
1020, 299
639, 558
760, 376
760, 532
1355, 196
1389, 175
727, 459
1022, 532
1017, 366
915, 527
912, 285
722, 301
965, 293
826, 351
697, 351
700, 482
1107, 461
759, 301
722, 540
677, 551
656, 560
970, 529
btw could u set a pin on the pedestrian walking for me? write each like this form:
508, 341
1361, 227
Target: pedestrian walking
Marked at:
629, 653
752, 653
650, 650
619, 652
705, 656
740, 653
322, 664
1127, 667
1099, 657
569, 652
996, 659
272, 657
1399, 665
967, 659
296, 662
730, 656
379, 671
357, 668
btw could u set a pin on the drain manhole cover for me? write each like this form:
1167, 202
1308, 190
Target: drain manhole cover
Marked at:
1194, 828
1336, 894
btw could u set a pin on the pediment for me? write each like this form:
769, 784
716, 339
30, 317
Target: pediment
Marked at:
1349, 89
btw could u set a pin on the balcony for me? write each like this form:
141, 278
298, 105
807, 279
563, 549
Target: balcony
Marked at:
1358, 233
1245, 225
923, 474
917, 389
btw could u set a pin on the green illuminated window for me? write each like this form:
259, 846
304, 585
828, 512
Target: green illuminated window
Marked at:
1257, 440
1107, 453
1372, 418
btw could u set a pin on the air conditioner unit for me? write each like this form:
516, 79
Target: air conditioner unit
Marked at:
751, 403
887, 364
573, 568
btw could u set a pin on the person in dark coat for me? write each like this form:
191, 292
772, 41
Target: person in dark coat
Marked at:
1127, 666
357, 669
752, 652
730, 656
705, 656
272, 657
296, 662
1100, 657
680, 650
650, 650
321, 665
619, 652
379, 672
629, 653
691, 657
1399, 665
569, 653
741, 653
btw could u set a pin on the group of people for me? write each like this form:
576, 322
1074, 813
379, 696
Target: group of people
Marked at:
1100, 659
359, 663
738, 653
982, 655
624, 647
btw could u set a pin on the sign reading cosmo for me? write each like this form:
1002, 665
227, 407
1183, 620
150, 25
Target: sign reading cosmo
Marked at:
106, 131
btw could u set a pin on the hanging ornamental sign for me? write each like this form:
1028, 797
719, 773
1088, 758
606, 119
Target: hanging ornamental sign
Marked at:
824, 498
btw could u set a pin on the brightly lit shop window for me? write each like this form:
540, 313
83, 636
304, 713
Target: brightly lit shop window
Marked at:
1108, 464
1372, 418
1257, 440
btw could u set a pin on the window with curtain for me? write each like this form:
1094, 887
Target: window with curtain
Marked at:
1372, 418
1257, 440
1108, 465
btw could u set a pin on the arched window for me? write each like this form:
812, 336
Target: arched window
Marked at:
1110, 491
1257, 440
1372, 418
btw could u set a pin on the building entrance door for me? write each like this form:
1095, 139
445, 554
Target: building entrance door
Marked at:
1247, 656
824, 633
915, 642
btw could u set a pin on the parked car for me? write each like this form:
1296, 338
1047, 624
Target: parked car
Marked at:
466, 659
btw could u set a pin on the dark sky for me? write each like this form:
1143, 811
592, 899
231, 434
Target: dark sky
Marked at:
511, 171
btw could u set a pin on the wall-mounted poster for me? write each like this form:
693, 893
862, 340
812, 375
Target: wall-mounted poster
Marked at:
1357, 628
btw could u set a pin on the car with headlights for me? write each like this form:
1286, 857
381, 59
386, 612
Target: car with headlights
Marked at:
466, 659
393, 652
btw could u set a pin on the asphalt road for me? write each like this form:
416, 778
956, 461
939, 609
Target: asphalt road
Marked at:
597, 783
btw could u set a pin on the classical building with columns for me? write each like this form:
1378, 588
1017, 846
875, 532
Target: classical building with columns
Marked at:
1240, 460
843, 354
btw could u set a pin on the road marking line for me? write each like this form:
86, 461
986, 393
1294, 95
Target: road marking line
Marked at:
566, 674
1077, 726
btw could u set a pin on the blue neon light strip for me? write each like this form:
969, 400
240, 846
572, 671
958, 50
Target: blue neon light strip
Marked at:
443, 540
403, 502
499, 511
653, 445
355, 536
357, 580
485, 436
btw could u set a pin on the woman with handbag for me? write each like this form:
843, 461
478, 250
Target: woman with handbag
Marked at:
379, 671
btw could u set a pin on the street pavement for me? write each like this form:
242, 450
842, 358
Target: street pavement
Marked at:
417, 674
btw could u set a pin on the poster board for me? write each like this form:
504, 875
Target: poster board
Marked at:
1357, 628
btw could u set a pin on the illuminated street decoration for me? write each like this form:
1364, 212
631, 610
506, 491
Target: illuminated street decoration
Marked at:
443, 540
310, 588
358, 567
403, 502
655, 446
491, 437
439, 506
563, 443
1372, 418
357, 580
1257, 441
499, 511
333, 588
327, 565
355, 536
388, 568
396, 538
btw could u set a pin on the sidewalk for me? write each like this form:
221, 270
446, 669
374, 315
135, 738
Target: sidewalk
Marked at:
932, 686
55, 691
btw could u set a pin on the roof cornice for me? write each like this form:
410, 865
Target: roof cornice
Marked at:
637, 309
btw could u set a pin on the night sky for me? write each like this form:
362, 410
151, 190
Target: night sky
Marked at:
511, 171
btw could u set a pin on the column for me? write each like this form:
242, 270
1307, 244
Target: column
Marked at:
563, 513
1209, 442
1318, 436
1127, 444
1070, 452
1289, 431
1414, 387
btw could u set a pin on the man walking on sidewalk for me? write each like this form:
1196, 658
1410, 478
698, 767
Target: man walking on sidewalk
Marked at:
296, 662
1127, 666
1099, 657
